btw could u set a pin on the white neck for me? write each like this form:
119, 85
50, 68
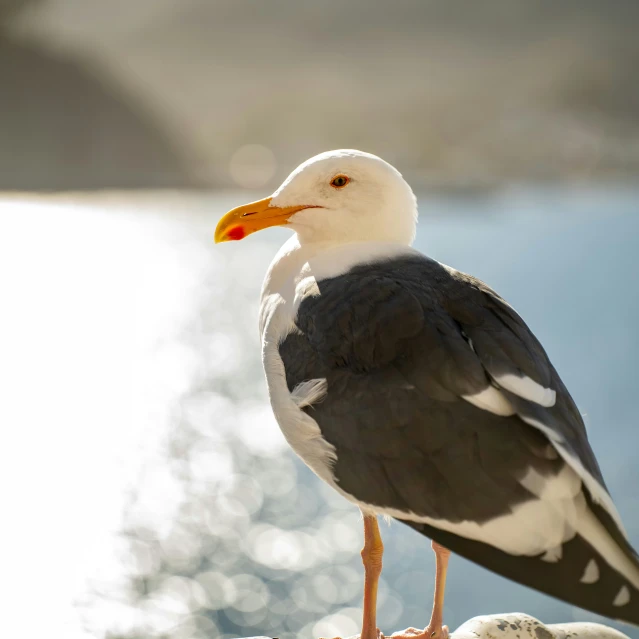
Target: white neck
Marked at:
321, 260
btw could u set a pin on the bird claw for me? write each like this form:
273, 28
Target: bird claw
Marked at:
410, 633
427, 633
379, 635
438, 633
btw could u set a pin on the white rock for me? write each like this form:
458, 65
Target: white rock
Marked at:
516, 625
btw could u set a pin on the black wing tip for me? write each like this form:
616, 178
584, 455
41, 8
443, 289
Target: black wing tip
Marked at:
601, 590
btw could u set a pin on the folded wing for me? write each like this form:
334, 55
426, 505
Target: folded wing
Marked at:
446, 413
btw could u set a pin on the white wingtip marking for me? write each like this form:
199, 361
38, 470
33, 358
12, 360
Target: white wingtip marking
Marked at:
591, 573
622, 598
309, 392
492, 400
528, 389
593, 531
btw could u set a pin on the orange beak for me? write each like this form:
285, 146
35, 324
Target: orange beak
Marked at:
244, 220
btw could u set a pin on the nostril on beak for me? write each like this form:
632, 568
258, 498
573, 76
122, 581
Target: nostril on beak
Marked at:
249, 213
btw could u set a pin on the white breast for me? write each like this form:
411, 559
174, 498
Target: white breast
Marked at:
292, 276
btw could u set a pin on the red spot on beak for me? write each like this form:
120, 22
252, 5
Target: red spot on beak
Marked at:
236, 233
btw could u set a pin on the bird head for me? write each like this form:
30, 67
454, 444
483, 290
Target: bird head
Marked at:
337, 197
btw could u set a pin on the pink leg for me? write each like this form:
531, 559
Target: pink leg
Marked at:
372, 560
435, 629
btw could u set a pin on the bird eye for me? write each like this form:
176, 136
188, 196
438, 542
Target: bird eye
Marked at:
340, 181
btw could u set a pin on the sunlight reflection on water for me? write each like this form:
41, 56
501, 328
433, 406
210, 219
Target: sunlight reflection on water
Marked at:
134, 386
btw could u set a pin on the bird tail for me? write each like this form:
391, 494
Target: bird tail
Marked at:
597, 569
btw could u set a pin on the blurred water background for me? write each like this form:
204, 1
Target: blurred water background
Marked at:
146, 490
150, 492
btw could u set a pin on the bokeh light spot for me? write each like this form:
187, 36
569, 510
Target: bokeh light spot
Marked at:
252, 166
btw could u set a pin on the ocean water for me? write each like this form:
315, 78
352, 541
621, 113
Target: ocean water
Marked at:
147, 490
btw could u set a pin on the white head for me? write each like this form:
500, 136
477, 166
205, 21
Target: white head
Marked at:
337, 197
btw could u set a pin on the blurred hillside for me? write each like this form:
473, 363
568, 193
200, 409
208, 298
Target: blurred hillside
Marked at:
65, 124
455, 93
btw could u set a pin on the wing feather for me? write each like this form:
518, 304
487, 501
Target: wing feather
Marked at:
442, 405
403, 342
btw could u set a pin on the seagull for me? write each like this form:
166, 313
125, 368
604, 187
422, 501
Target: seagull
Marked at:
418, 393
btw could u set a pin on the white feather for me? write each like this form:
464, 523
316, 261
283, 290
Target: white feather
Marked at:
527, 389
553, 555
309, 392
622, 598
598, 493
565, 485
531, 528
537, 527
593, 531
377, 205
492, 400
591, 573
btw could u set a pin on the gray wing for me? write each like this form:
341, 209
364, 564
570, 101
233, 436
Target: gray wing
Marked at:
406, 347
401, 343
